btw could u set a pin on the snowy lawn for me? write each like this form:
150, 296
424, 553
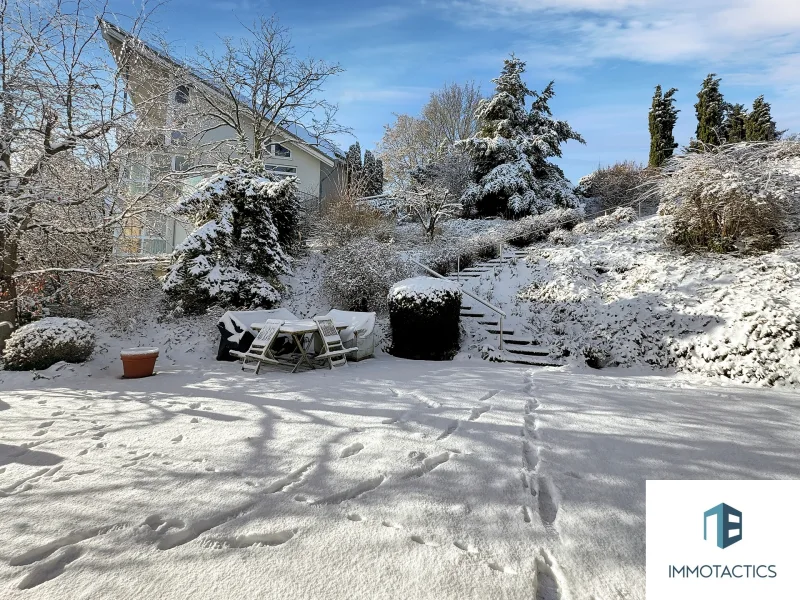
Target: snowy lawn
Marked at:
387, 479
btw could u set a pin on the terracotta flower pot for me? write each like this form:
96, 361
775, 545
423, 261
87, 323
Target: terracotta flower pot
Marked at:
138, 362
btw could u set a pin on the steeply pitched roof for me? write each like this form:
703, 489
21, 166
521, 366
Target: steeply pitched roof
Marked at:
302, 136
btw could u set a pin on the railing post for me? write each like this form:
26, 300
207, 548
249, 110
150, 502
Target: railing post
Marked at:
458, 268
501, 333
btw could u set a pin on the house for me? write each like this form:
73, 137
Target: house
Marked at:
162, 92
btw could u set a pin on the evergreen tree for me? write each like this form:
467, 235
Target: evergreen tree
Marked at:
378, 177
369, 174
662, 118
354, 168
735, 121
234, 255
759, 126
510, 151
710, 110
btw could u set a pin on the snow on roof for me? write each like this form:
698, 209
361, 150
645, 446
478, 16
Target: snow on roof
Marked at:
424, 287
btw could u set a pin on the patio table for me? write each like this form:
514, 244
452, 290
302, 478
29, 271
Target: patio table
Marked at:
297, 330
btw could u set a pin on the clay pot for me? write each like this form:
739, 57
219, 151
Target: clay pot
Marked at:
138, 362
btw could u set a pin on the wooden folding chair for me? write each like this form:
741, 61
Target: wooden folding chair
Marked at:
333, 351
259, 351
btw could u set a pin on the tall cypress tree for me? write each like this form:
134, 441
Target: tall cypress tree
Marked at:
663, 116
354, 167
735, 119
759, 126
368, 174
378, 181
710, 110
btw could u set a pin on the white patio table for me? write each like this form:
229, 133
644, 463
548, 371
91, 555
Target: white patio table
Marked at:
298, 330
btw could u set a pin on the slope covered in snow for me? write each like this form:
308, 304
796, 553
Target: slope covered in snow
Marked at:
621, 297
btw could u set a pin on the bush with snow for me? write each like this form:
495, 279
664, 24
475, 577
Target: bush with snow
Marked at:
619, 217
424, 314
734, 197
621, 184
358, 276
620, 297
560, 237
234, 256
43, 343
345, 221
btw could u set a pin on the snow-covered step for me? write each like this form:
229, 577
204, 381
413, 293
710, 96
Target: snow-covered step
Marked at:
520, 341
534, 361
463, 274
529, 350
496, 330
494, 323
472, 314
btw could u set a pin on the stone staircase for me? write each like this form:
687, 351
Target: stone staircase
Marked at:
520, 349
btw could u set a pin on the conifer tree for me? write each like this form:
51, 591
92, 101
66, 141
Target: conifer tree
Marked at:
735, 121
378, 179
510, 151
663, 116
710, 110
369, 174
759, 126
354, 167
234, 256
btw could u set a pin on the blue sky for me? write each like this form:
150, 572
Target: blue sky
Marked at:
606, 56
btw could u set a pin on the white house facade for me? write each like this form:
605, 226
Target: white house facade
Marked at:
176, 150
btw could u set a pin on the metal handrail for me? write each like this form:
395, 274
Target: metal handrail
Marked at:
471, 295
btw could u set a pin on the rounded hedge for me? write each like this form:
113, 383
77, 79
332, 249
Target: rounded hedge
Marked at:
424, 314
43, 343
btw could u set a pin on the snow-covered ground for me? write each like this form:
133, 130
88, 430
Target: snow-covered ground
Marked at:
385, 479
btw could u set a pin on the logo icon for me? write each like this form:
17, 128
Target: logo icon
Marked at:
729, 524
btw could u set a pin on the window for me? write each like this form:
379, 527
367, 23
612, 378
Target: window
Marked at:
182, 95
281, 170
279, 151
145, 234
180, 163
178, 138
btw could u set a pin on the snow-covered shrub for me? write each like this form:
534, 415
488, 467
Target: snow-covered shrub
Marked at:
620, 216
560, 237
737, 196
359, 275
43, 343
535, 228
621, 184
234, 256
424, 313
344, 221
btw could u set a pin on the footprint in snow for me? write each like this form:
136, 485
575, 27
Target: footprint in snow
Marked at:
177, 439
423, 542
391, 525
465, 547
351, 450
355, 517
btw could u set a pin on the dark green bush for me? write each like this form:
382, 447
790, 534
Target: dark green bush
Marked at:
424, 314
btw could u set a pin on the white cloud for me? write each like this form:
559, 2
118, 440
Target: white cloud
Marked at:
655, 31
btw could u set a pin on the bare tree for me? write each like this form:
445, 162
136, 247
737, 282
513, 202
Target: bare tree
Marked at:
259, 88
412, 143
65, 129
429, 206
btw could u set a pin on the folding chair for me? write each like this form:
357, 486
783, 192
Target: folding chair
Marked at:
333, 351
259, 351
